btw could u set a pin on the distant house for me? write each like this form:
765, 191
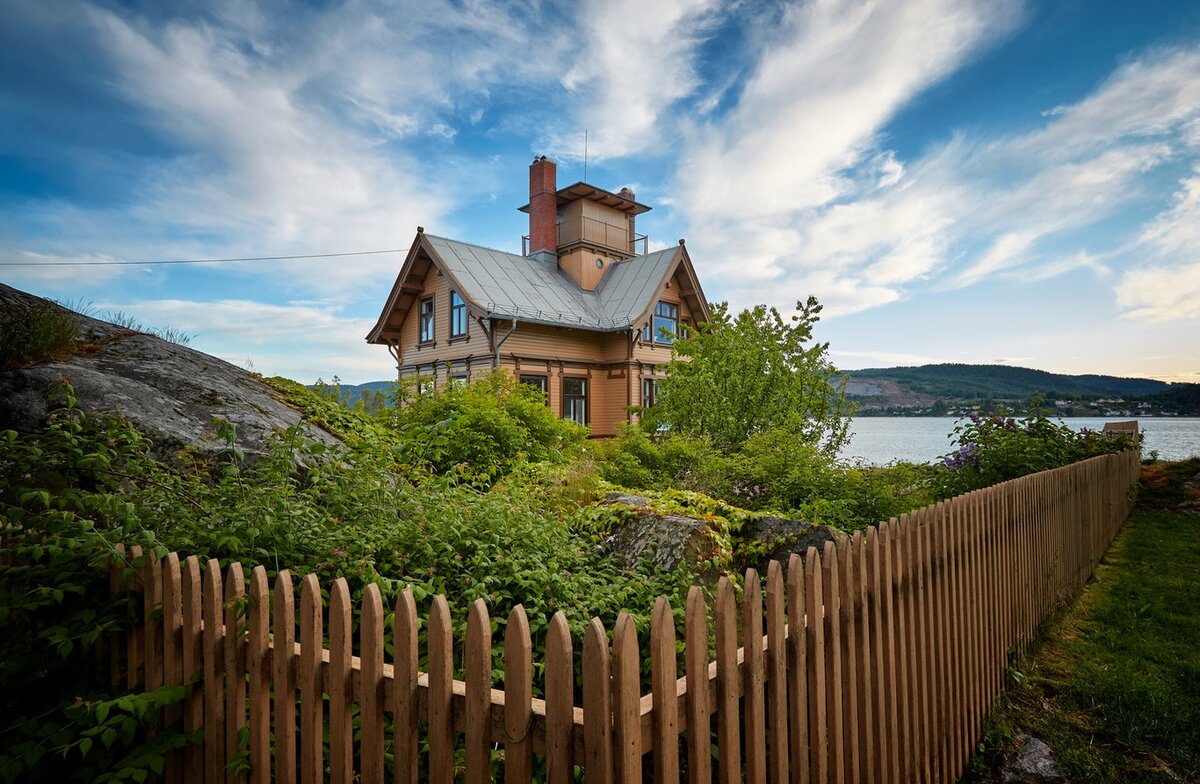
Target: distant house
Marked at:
582, 315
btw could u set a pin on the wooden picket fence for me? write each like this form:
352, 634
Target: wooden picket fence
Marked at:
874, 660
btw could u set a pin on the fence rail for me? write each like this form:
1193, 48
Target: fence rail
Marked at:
874, 660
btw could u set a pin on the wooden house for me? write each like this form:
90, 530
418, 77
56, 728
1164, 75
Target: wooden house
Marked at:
581, 314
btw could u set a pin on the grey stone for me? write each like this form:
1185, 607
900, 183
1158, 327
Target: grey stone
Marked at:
170, 393
1033, 764
789, 536
667, 541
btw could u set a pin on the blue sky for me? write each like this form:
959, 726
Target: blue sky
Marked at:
955, 180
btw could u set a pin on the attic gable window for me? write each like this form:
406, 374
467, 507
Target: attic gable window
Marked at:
666, 316
426, 320
458, 316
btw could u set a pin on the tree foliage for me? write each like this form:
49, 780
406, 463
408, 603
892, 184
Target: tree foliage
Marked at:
736, 376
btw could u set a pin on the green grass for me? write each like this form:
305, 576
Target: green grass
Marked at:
36, 331
1114, 686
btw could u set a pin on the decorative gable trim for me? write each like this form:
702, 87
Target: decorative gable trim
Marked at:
695, 298
401, 287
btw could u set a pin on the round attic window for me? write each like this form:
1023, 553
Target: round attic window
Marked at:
599, 263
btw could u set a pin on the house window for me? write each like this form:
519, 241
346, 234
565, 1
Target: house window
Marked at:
575, 400
459, 381
666, 316
537, 382
426, 320
458, 316
649, 392
426, 386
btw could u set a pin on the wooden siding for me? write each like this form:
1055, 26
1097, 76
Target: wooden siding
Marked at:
437, 286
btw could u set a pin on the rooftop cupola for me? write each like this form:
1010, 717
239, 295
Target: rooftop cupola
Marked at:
584, 228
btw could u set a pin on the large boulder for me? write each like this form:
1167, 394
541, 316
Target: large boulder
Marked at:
171, 393
668, 541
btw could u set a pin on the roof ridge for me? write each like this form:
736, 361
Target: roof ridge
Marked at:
477, 245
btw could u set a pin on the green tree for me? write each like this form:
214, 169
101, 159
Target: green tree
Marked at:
734, 377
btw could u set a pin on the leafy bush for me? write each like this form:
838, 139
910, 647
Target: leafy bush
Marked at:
36, 331
775, 470
739, 375
483, 430
995, 448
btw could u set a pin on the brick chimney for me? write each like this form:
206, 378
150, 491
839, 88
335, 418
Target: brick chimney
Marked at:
543, 209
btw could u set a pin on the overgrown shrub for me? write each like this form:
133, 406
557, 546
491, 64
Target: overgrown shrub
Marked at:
776, 470
482, 430
35, 331
995, 448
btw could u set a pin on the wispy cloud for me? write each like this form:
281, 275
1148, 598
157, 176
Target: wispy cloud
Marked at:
298, 340
807, 198
627, 76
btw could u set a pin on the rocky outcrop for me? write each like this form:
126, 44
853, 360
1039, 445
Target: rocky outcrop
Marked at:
171, 393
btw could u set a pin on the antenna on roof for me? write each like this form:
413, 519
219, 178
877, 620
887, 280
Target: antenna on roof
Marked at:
585, 154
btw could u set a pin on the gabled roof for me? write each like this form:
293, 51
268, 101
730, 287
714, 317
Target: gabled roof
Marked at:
505, 285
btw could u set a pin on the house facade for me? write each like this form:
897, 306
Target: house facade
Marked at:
581, 314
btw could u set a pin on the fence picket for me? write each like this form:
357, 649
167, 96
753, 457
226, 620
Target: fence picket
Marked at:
172, 641
864, 667
283, 605
777, 694
753, 708
371, 699
847, 601
477, 665
337, 684
797, 662
662, 688
560, 701
258, 660
627, 726
235, 668
404, 702
192, 645
814, 604
729, 761
695, 652
214, 697
597, 703
518, 690
312, 702
441, 693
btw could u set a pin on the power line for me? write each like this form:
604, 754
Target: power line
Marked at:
194, 261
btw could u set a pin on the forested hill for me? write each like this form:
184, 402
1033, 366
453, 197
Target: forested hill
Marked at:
935, 389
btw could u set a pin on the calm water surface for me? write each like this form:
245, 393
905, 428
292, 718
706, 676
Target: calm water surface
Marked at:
921, 439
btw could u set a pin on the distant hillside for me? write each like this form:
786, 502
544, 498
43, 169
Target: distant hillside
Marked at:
941, 388
356, 390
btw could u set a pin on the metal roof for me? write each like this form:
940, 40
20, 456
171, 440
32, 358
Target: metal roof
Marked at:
530, 289
581, 190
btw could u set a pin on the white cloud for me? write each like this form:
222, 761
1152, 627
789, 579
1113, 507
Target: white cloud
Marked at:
1160, 293
782, 196
757, 184
633, 61
1168, 286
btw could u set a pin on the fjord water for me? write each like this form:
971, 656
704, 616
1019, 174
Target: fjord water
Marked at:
880, 440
